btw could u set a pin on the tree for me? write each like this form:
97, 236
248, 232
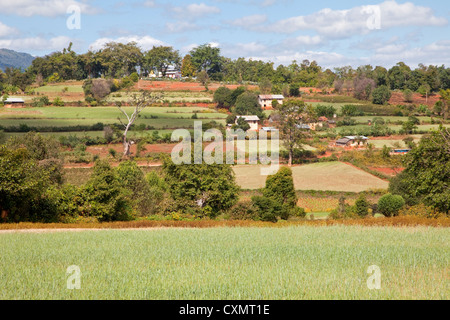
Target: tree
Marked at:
161, 58
381, 95
241, 124
207, 58
203, 78
248, 104
223, 97
427, 174
389, 205
104, 196
187, 67
22, 182
362, 206
408, 95
445, 98
118, 59
363, 88
291, 115
424, 90
204, 189
140, 102
96, 88
280, 188
265, 86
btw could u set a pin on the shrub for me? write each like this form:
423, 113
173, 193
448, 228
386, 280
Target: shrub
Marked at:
244, 210
362, 206
381, 95
389, 205
268, 209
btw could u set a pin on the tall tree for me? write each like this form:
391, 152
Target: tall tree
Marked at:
291, 115
207, 58
161, 58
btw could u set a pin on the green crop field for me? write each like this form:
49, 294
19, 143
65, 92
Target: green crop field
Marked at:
287, 263
157, 117
331, 176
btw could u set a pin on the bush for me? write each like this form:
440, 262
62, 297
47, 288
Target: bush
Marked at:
381, 95
389, 205
362, 206
267, 208
244, 210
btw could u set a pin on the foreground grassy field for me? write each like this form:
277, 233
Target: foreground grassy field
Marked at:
228, 263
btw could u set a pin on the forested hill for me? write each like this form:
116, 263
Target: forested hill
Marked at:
11, 58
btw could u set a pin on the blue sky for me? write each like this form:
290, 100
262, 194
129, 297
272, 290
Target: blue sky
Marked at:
334, 33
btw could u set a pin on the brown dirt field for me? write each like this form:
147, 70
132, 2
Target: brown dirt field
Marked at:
397, 98
181, 86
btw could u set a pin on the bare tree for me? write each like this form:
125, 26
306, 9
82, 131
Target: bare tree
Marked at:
140, 102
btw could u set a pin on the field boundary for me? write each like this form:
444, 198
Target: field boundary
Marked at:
402, 221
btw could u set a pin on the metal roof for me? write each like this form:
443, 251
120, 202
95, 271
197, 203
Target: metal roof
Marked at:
271, 97
14, 100
249, 118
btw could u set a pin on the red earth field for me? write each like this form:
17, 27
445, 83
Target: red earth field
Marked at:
181, 86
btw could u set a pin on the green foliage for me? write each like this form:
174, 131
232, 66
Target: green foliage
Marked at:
381, 95
325, 111
105, 196
267, 208
223, 98
201, 185
389, 205
427, 173
350, 110
247, 104
280, 187
58, 102
362, 206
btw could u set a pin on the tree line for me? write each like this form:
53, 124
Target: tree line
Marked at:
117, 60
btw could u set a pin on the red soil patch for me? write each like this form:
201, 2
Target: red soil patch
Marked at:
181, 86
388, 171
397, 98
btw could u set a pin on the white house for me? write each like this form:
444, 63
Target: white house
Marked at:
14, 103
265, 100
253, 121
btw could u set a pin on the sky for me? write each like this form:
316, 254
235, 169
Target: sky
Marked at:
333, 33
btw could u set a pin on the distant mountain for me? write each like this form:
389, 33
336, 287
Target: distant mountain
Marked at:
11, 58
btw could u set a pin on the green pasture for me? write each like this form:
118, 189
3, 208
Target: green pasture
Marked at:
291, 263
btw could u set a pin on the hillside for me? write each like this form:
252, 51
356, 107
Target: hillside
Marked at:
11, 58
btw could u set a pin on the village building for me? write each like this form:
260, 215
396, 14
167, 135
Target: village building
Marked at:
14, 103
352, 141
265, 100
253, 121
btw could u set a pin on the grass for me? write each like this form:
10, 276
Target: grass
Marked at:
332, 176
227, 263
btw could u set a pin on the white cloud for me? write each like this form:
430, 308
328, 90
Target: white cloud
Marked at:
48, 8
194, 11
180, 26
249, 21
304, 41
360, 20
37, 44
6, 30
145, 42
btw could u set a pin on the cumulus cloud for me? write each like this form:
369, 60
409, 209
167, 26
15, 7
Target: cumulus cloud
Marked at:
47, 8
194, 11
6, 30
145, 42
359, 20
37, 43
249, 21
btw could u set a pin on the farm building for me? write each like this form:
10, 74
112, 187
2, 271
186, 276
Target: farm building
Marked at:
253, 121
304, 126
322, 122
173, 73
352, 141
265, 100
14, 103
